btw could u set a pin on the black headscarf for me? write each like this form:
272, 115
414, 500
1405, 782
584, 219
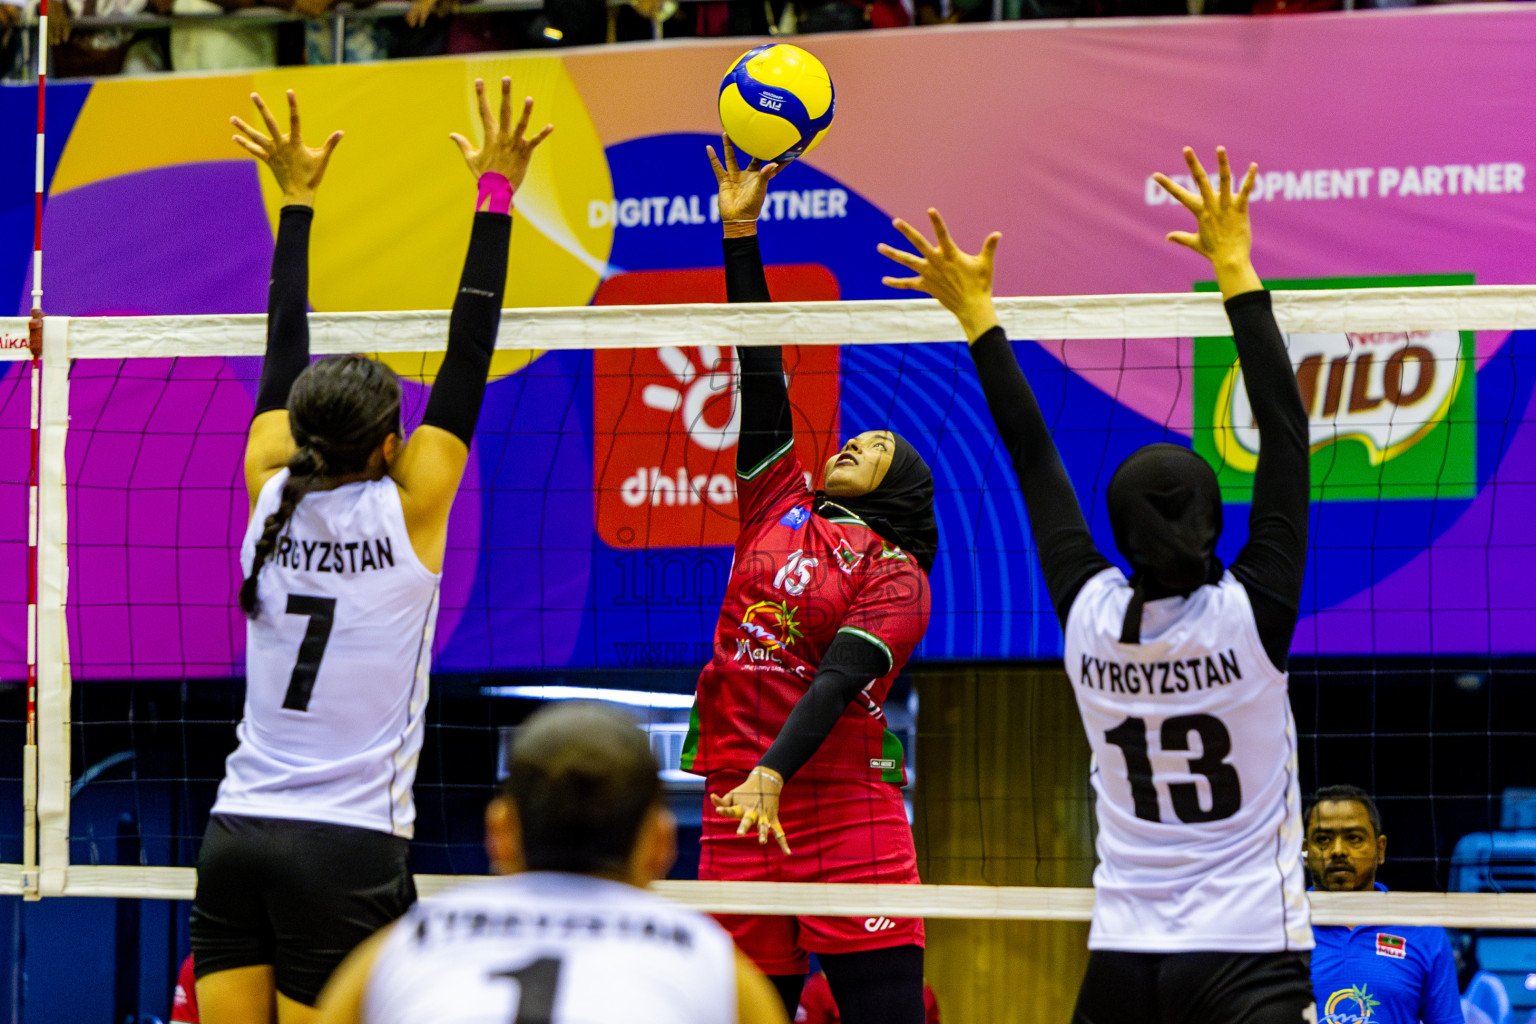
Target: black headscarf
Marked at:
900, 510
1165, 510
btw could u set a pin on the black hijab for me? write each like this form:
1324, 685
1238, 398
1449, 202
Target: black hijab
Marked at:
900, 510
1165, 510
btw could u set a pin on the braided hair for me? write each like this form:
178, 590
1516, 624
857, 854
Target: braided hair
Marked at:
340, 410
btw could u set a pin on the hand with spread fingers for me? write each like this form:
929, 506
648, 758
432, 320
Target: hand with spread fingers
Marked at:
297, 167
960, 281
1223, 234
742, 190
505, 149
755, 803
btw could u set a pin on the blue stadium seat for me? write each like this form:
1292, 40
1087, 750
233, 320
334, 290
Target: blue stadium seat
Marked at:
1487, 994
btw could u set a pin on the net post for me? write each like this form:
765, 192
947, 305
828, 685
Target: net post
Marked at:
52, 720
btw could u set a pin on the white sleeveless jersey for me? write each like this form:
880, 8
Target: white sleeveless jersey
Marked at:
336, 664
561, 948
1194, 754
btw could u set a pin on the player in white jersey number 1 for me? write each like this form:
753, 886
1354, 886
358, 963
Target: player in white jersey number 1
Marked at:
305, 854
1200, 914
571, 936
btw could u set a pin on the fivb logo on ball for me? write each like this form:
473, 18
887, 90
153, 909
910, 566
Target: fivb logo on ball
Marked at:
1391, 415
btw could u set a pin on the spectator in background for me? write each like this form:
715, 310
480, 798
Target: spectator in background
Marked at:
10, 36
101, 51
1388, 974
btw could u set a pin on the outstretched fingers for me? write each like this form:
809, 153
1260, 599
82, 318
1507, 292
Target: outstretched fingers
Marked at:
250, 147
941, 232
464, 146
1247, 187
1224, 173
251, 134
293, 116
1197, 171
1186, 198
487, 121
266, 116
714, 162
903, 257
504, 117
921, 244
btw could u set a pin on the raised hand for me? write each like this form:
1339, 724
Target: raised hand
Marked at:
962, 282
505, 150
297, 168
1222, 232
755, 803
741, 191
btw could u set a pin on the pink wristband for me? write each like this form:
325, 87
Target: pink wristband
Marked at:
495, 194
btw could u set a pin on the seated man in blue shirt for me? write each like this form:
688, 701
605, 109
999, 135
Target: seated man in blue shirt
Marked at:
1381, 974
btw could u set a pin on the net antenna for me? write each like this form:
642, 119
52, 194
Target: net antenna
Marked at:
35, 345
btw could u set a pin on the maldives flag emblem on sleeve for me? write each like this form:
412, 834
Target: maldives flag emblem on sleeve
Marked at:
1394, 946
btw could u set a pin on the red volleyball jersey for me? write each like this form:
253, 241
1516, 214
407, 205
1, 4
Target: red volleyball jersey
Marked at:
797, 581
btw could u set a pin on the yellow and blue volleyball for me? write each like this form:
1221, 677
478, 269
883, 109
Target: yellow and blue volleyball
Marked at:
776, 102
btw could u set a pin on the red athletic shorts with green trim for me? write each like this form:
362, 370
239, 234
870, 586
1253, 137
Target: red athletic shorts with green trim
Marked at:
838, 831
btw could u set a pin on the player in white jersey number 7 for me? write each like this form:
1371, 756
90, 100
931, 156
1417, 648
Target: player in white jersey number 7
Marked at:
1200, 913
571, 937
305, 854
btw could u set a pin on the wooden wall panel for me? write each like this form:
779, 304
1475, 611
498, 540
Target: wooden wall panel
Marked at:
1002, 798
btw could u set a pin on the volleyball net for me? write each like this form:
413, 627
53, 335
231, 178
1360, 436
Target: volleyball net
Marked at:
591, 542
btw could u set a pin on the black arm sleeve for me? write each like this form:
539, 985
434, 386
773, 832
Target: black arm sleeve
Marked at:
1271, 564
287, 310
850, 664
1068, 558
766, 424
454, 404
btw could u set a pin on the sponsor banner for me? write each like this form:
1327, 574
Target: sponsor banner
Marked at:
1391, 416
595, 523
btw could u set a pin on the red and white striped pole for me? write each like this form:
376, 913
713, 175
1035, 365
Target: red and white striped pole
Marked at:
35, 343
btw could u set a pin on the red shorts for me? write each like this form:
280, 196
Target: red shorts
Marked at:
842, 831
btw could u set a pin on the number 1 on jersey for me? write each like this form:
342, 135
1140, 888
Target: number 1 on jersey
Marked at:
1215, 744
322, 615
536, 984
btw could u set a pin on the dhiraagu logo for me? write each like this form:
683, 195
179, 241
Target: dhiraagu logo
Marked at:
1391, 415
1351, 1005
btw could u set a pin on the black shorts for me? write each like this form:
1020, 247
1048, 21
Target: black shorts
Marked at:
299, 895
1195, 988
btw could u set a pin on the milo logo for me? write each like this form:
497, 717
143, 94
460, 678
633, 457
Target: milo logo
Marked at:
1391, 415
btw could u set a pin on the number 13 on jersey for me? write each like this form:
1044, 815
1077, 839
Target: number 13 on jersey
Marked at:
1215, 743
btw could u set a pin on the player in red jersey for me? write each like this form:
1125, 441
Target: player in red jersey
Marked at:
827, 598
184, 1002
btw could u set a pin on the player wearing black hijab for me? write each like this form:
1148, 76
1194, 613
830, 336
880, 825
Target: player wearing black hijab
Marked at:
827, 598
1200, 913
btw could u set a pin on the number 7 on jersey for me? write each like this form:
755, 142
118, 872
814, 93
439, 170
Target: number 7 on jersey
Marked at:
322, 615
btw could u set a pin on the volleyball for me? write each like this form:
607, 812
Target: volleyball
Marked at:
776, 102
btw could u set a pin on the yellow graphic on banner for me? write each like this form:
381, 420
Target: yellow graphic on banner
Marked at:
393, 216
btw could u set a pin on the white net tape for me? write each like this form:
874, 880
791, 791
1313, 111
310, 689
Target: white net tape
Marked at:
1497, 307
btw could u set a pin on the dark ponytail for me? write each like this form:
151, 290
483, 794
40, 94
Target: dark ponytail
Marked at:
340, 410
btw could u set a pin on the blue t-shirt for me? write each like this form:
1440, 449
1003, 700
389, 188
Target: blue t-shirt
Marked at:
1384, 974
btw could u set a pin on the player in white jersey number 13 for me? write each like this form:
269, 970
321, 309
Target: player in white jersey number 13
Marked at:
305, 854
571, 936
1200, 913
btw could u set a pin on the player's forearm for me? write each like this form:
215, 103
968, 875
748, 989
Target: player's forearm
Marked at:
1281, 484
766, 423
1067, 555
850, 664
287, 310
459, 390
